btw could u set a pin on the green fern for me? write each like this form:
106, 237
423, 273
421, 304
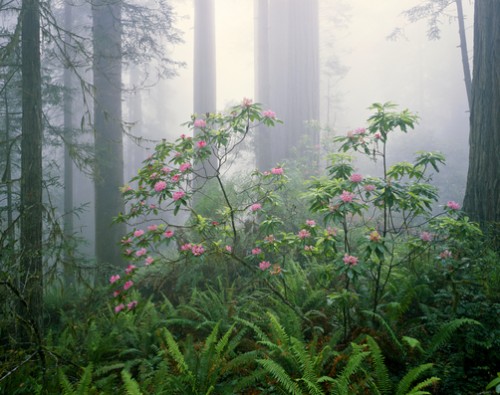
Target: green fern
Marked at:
83, 387
382, 379
445, 334
341, 383
280, 375
131, 385
414, 374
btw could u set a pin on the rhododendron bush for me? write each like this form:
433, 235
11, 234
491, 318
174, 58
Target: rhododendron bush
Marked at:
358, 230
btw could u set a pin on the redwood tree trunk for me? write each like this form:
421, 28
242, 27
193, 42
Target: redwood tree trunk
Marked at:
107, 69
482, 195
31, 273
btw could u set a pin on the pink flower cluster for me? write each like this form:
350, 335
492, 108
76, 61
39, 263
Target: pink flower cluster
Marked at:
196, 249
269, 114
452, 205
255, 207
426, 236
178, 195
277, 171
356, 177
347, 196
303, 233
350, 260
264, 265
200, 123
160, 186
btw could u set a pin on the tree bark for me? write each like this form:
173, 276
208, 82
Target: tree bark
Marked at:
108, 136
31, 273
482, 195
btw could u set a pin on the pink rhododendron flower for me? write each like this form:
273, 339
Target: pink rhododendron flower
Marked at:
152, 206
310, 222
377, 135
303, 234
360, 131
350, 260
153, 228
175, 177
347, 196
114, 278
229, 249
149, 260
197, 249
453, 205
356, 177
185, 166
142, 251
369, 187
425, 236
138, 233
160, 186
128, 251
246, 102
128, 284
277, 171
269, 114
201, 144
166, 170
168, 234
130, 269
116, 294
183, 136
178, 195
119, 308
132, 305
200, 123
264, 265
256, 251
255, 206
153, 176
186, 247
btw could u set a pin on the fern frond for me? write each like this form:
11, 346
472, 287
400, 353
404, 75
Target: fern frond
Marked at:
427, 382
280, 375
312, 387
85, 382
174, 352
341, 384
410, 377
445, 333
382, 379
277, 330
260, 334
130, 384
65, 384
388, 328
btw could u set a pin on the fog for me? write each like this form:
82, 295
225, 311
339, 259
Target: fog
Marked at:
416, 73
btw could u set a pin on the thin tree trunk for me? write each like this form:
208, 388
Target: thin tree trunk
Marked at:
464, 52
31, 273
68, 268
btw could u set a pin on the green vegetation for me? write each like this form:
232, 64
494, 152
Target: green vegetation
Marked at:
343, 283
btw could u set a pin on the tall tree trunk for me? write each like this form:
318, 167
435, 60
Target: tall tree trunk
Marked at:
482, 195
205, 94
287, 77
68, 268
31, 270
464, 52
107, 69
263, 153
